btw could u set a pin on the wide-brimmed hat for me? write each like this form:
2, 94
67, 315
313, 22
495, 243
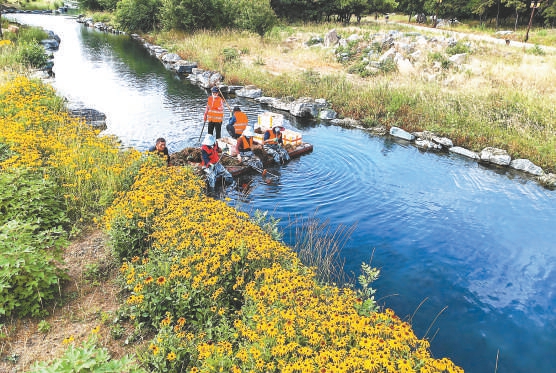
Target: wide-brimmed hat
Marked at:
248, 132
209, 140
278, 125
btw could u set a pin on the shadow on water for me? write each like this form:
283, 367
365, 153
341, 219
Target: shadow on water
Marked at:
475, 245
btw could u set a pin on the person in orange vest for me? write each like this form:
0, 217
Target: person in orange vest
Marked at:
214, 113
237, 123
245, 150
210, 161
272, 144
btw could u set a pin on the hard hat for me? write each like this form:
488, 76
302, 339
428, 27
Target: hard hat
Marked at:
208, 140
248, 132
214, 89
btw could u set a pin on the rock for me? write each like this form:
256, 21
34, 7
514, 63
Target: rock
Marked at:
526, 165
428, 145
307, 107
93, 117
170, 58
399, 133
495, 156
548, 180
331, 38
50, 44
184, 67
444, 141
465, 152
458, 59
249, 92
327, 114
345, 122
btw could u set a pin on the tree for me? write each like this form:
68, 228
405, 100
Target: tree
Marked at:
137, 15
191, 15
518, 6
481, 8
411, 7
254, 15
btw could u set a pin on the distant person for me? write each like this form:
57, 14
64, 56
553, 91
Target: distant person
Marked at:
210, 161
214, 113
161, 149
245, 150
272, 144
237, 123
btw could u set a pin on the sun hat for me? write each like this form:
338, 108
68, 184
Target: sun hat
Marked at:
209, 140
248, 132
278, 125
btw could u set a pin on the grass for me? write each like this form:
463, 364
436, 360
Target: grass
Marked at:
495, 99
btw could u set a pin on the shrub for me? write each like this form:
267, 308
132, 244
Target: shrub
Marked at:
28, 272
88, 358
458, 48
32, 54
27, 196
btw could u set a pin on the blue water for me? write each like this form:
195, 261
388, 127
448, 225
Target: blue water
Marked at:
467, 253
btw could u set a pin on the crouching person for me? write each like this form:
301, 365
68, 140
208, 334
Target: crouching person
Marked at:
210, 161
273, 144
245, 150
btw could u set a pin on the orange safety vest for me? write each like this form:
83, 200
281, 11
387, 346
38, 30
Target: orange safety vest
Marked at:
244, 144
241, 122
272, 136
215, 109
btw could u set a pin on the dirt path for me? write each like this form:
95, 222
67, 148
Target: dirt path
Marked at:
89, 299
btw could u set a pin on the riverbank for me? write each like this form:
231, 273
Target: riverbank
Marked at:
486, 98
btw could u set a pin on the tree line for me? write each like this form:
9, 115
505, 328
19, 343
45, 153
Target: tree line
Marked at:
261, 15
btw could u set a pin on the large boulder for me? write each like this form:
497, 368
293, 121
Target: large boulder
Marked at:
495, 156
401, 134
465, 152
526, 165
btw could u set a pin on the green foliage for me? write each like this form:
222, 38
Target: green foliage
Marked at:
254, 15
27, 196
268, 223
88, 358
441, 58
137, 15
458, 48
44, 327
191, 15
28, 272
32, 54
31, 34
536, 50
230, 54
366, 293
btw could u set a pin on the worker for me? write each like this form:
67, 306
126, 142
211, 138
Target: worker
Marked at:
245, 150
272, 144
214, 112
210, 162
161, 149
237, 123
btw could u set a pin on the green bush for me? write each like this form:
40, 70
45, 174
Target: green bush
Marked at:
88, 358
31, 53
27, 196
458, 48
28, 272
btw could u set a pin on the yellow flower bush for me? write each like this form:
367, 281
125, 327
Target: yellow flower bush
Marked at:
40, 134
225, 297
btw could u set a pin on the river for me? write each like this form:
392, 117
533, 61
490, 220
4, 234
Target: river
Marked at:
467, 253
